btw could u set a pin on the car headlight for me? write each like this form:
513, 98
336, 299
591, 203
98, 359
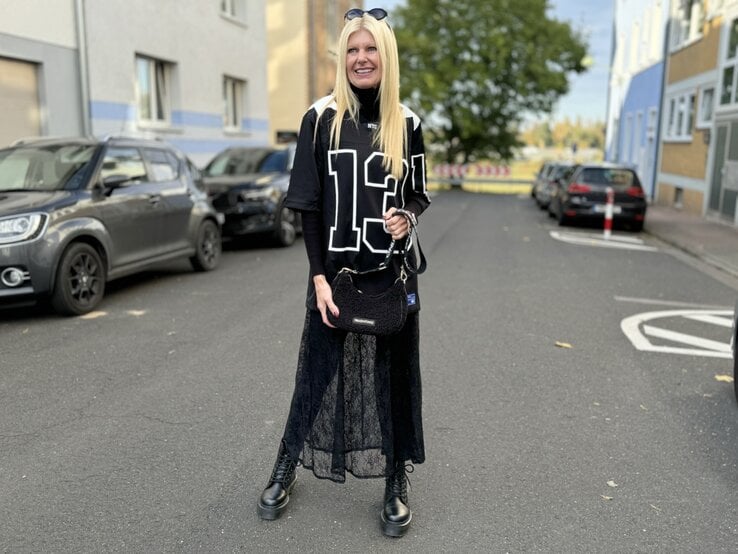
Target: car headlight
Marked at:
21, 227
265, 193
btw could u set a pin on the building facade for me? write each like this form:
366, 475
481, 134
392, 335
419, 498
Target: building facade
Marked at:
635, 87
192, 72
722, 190
302, 38
40, 82
688, 105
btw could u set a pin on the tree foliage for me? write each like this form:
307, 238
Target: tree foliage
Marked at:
473, 69
565, 134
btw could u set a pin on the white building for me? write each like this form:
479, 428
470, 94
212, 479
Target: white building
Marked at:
192, 72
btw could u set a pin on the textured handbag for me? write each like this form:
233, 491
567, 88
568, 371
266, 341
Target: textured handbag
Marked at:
383, 313
373, 314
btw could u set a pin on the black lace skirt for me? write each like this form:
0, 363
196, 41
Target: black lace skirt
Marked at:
357, 401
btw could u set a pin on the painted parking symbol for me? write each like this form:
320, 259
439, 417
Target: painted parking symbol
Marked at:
649, 335
599, 240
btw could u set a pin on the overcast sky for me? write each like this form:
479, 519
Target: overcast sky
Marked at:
587, 97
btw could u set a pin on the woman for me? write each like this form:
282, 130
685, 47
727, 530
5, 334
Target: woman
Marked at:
356, 406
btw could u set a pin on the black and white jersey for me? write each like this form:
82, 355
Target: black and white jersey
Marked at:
350, 188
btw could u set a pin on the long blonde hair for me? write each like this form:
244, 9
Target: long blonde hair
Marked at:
391, 135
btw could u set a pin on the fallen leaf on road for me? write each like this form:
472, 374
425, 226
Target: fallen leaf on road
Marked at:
612, 484
724, 378
644, 408
136, 313
606, 497
563, 344
93, 315
655, 508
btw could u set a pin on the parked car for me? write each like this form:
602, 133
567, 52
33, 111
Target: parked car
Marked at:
248, 186
580, 195
77, 213
540, 179
544, 188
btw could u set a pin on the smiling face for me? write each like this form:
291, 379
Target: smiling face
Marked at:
363, 66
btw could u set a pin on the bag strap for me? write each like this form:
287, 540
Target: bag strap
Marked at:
412, 244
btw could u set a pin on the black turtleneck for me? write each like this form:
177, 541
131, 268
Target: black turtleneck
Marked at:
369, 100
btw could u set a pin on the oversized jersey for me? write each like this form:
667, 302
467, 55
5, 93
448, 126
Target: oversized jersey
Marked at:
350, 188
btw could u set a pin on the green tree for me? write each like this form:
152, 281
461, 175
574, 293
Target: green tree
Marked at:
474, 68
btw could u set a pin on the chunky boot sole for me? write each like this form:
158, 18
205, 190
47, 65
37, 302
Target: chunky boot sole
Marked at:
271, 513
395, 529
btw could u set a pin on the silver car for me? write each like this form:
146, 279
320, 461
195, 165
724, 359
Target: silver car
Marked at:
76, 213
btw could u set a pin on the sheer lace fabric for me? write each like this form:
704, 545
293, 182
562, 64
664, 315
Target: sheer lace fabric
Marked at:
357, 402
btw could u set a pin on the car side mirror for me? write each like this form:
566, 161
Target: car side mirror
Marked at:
112, 182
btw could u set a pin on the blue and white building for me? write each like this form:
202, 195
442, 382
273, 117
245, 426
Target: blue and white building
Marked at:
636, 85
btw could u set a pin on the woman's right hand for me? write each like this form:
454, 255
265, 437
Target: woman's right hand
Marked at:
324, 298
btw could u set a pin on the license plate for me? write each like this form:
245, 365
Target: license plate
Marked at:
600, 209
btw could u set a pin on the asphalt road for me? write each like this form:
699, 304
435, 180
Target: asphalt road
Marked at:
153, 426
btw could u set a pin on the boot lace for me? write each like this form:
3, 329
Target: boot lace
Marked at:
283, 468
398, 481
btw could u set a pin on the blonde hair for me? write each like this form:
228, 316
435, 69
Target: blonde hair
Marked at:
391, 135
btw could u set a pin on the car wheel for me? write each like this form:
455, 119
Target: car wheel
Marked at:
80, 280
285, 232
208, 247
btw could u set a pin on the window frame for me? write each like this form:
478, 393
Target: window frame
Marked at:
680, 120
234, 10
703, 122
688, 17
234, 103
159, 75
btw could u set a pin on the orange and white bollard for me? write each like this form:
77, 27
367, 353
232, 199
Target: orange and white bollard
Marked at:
608, 212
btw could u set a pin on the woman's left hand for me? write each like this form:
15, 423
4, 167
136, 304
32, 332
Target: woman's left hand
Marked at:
397, 225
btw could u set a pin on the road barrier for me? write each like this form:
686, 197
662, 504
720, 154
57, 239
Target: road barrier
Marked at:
477, 177
609, 208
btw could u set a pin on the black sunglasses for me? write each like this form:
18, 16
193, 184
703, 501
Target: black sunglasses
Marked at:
376, 13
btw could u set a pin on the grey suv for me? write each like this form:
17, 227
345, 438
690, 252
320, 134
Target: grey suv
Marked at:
76, 213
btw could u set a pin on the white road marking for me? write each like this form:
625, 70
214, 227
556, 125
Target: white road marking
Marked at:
667, 303
588, 239
708, 348
712, 319
684, 338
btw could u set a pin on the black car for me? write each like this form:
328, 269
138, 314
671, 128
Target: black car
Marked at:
76, 213
581, 195
248, 186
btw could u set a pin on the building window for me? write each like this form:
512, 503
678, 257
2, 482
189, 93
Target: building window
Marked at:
707, 104
233, 101
235, 9
651, 122
680, 121
727, 90
153, 89
627, 130
686, 24
670, 124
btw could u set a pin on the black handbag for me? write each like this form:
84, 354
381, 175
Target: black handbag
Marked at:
383, 313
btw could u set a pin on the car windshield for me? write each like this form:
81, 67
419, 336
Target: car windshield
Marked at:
241, 162
50, 167
616, 177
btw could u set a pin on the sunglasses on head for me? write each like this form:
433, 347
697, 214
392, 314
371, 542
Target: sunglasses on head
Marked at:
376, 13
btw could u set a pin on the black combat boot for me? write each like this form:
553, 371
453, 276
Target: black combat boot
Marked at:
276, 495
396, 515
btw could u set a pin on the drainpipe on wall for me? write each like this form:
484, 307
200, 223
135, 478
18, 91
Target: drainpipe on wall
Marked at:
83, 67
659, 119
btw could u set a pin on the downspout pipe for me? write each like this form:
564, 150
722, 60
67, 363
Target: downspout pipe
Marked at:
84, 82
